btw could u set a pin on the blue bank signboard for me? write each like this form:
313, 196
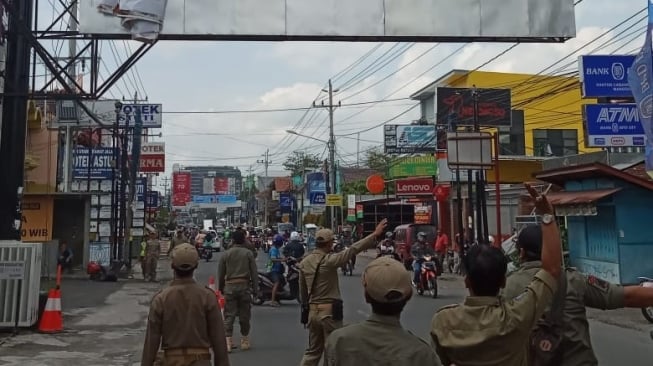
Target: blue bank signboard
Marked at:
605, 76
613, 125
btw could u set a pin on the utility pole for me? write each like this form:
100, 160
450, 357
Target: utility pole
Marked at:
358, 150
166, 183
266, 162
332, 149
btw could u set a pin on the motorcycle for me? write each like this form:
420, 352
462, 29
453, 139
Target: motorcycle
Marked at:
291, 278
347, 268
256, 240
647, 311
428, 277
206, 253
387, 251
451, 264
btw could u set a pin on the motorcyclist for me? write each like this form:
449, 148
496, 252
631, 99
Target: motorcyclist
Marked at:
294, 248
346, 241
418, 250
387, 246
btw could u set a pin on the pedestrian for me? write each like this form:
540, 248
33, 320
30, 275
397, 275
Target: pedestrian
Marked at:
485, 330
65, 258
322, 306
238, 281
276, 269
186, 336
141, 258
152, 253
441, 246
381, 340
581, 291
178, 239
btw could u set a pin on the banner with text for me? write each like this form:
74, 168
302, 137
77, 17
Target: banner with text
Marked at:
93, 163
181, 188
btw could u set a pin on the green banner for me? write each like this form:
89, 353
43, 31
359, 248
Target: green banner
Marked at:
414, 166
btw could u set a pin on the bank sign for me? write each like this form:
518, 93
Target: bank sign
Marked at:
613, 125
414, 187
605, 75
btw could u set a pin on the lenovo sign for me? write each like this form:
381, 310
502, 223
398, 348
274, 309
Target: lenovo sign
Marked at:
415, 187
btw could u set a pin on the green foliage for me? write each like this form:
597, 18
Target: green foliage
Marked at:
376, 159
299, 161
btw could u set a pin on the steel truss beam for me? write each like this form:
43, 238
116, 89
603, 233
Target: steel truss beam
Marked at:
88, 50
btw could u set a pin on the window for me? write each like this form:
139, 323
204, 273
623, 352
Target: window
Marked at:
555, 142
511, 139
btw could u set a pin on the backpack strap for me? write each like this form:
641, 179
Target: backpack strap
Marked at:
317, 270
556, 313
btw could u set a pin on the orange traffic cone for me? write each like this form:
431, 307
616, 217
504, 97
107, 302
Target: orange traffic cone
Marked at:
52, 319
221, 300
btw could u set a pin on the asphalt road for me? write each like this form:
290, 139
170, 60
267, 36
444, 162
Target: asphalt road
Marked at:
278, 338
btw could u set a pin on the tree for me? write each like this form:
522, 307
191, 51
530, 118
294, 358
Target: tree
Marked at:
299, 161
378, 160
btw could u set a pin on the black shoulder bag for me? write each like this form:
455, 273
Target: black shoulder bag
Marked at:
306, 304
546, 339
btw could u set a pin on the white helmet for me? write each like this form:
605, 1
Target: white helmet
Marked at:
294, 235
491, 239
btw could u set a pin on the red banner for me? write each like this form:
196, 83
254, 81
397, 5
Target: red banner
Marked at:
414, 187
153, 163
181, 188
221, 185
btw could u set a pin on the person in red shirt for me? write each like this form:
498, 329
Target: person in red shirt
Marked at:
441, 246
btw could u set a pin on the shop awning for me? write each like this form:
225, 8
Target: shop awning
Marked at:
579, 197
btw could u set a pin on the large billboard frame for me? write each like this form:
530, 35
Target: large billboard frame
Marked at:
319, 20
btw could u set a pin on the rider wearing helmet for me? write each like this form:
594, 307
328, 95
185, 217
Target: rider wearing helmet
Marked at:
294, 248
387, 246
418, 250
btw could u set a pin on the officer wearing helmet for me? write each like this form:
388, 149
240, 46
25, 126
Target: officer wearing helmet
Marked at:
186, 337
418, 251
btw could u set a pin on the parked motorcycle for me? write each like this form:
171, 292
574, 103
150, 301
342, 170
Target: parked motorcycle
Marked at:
428, 277
647, 311
291, 292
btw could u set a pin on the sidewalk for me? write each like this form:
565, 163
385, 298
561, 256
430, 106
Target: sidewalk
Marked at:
103, 325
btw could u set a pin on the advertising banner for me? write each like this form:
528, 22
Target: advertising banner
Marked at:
613, 125
351, 207
153, 157
414, 187
141, 183
181, 188
423, 215
36, 219
227, 199
316, 182
309, 20
221, 185
285, 200
409, 139
208, 185
414, 166
359, 211
605, 76
640, 79
456, 106
317, 198
100, 159
152, 200
105, 112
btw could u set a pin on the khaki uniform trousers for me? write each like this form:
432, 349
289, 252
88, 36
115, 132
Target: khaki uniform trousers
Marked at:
238, 303
320, 325
151, 263
187, 357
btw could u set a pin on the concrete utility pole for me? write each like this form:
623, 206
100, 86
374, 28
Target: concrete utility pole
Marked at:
166, 184
332, 149
266, 162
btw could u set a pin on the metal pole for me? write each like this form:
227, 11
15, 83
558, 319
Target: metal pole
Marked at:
72, 71
332, 154
497, 187
358, 150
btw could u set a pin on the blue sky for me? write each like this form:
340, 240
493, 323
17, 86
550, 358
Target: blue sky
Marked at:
215, 76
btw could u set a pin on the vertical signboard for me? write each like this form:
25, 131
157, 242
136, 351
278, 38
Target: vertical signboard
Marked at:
181, 188
351, 207
221, 185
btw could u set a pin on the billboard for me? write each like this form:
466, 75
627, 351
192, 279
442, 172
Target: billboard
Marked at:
93, 163
317, 198
105, 112
316, 182
414, 166
221, 185
153, 157
613, 125
363, 20
409, 139
141, 183
36, 219
456, 106
181, 188
605, 76
414, 187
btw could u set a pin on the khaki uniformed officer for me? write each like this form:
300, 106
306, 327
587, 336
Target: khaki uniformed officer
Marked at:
485, 330
185, 319
321, 291
152, 253
381, 340
238, 280
582, 291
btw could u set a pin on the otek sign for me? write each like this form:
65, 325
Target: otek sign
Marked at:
414, 187
153, 157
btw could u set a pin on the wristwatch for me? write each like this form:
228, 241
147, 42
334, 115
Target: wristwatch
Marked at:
547, 219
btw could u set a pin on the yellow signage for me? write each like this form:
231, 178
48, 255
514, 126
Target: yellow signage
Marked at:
334, 200
36, 219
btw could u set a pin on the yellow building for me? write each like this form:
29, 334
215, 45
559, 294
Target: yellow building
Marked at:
551, 105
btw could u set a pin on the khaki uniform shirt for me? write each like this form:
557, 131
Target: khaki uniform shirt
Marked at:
487, 330
582, 291
379, 341
237, 263
185, 315
153, 248
177, 241
327, 287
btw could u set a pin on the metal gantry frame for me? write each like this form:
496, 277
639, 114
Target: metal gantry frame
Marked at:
88, 49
